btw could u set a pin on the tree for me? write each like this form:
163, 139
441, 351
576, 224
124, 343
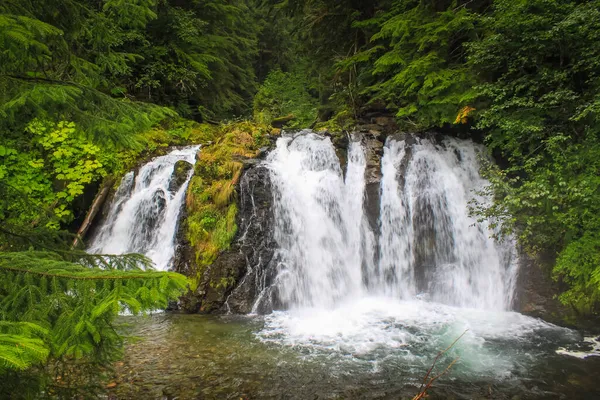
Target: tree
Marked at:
539, 106
420, 60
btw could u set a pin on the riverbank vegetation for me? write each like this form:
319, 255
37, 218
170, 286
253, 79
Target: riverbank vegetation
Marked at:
87, 88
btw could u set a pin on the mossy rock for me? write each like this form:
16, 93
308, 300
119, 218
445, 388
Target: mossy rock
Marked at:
211, 198
180, 174
280, 122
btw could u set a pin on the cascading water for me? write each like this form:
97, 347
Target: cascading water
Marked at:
429, 244
319, 221
145, 210
407, 290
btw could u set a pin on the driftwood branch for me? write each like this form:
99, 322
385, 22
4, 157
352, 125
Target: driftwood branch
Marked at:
93, 211
428, 380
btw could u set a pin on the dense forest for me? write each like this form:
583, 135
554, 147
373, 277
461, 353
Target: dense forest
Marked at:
88, 87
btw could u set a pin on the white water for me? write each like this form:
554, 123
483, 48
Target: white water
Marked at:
319, 221
437, 274
383, 333
429, 244
144, 212
588, 347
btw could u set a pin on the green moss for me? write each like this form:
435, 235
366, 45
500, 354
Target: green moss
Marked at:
177, 132
223, 283
211, 205
342, 121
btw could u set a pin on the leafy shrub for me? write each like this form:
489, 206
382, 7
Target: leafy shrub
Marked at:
285, 94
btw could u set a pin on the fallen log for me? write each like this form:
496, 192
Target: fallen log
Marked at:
93, 211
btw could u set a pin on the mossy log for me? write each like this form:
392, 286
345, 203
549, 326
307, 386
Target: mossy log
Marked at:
280, 122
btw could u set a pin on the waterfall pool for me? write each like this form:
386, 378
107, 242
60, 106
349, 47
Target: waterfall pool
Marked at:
367, 350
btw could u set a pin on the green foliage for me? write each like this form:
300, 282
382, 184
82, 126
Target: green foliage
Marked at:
324, 37
285, 94
58, 305
578, 265
539, 60
93, 63
77, 83
421, 70
42, 75
22, 345
340, 122
53, 163
61, 306
199, 58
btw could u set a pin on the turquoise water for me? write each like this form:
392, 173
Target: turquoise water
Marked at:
242, 357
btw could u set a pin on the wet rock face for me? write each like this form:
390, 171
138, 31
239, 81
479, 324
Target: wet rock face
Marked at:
374, 153
536, 291
151, 212
231, 283
184, 258
179, 176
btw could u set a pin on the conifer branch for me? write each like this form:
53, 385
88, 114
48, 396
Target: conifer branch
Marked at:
102, 275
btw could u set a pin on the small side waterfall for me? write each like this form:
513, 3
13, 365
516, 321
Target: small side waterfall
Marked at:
428, 245
145, 210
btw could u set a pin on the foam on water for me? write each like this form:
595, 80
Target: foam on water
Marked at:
588, 347
374, 330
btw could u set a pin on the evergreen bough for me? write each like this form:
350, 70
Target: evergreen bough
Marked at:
58, 310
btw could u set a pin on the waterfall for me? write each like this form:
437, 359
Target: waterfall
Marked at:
144, 212
428, 246
319, 221
386, 289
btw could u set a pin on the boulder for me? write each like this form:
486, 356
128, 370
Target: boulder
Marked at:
180, 174
536, 291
